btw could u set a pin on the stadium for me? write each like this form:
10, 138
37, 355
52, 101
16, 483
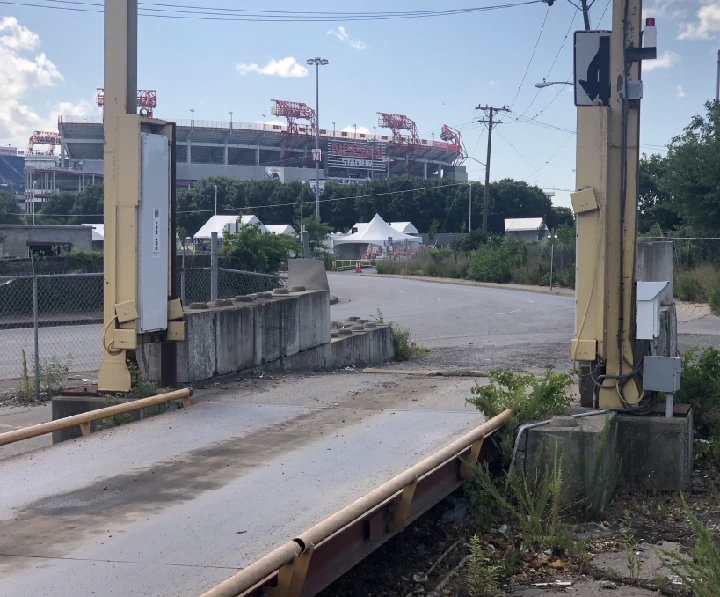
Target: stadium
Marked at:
249, 151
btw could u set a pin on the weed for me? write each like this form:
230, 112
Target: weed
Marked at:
687, 287
634, 563
604, 474
54, 373
26, 392
533, 501
483, 580
661, 581
405, 347
714, 296
530, 397
141, 388
511, 563
701, 571
612, 573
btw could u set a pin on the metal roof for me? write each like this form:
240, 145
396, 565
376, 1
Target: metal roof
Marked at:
523, 224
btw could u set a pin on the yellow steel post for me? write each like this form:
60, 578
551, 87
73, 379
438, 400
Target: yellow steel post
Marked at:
622, 211
606, 208
119, 211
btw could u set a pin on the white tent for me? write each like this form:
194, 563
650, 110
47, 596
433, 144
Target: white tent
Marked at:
378, 232
405, 227
217, 224
280, 228
98, 231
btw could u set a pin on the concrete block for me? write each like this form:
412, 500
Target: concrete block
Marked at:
276, 329
67, 406
313, 318
363, 349
196, 356
655, 264
666, 344
586, 450
235, 337
656, 452
309, 273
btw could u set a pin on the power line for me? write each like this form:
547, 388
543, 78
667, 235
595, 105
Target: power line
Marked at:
527, 68
552, 157
180, 11
552, 66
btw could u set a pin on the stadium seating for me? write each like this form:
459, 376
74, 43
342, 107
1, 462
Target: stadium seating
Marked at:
12, 177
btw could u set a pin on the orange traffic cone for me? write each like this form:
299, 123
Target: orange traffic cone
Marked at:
358, 269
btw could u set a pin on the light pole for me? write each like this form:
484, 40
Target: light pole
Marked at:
355, 127
192, 117
333, 129
318, 62
230, 120
215, 198
549, 83
469, 206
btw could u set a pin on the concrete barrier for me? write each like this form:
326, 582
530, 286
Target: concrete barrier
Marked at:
288, 332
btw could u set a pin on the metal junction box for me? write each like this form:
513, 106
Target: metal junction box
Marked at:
153, 228
661, 374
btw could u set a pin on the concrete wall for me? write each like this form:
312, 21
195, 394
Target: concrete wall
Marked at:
19, 238
287, 333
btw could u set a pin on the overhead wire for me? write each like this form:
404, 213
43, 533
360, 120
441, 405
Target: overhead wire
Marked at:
527, 68
182, 11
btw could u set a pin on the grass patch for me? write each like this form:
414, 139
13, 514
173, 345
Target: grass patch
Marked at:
141, 388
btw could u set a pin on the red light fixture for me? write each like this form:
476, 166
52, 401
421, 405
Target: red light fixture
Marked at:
650, 22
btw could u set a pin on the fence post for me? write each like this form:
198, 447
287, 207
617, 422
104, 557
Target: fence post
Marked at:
213, 266
36, 337
182, 278
552, 254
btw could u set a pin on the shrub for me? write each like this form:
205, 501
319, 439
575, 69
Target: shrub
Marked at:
483, 580
531, 398
714, 296
494, 261
530, 274
688, 287
700, 389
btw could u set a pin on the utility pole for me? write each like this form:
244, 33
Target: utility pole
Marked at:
717, 80
586, 15
469, 207
490, 111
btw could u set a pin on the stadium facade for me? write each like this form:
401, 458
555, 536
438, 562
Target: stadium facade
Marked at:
246, 151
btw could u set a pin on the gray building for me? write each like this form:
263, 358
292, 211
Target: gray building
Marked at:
21, 240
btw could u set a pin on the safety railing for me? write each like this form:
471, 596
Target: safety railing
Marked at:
342, 264
84, 419
314, 559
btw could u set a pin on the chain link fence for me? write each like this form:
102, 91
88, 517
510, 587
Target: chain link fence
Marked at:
51, 325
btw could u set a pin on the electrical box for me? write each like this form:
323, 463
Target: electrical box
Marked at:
648, 309
661, 374
153, 230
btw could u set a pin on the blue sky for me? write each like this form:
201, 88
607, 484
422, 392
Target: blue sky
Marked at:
434, 70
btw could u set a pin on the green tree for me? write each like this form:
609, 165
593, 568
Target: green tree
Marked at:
90, 202
692, 171
559, 216
58, 209
318, 232
656, 209
9, 209
252, 250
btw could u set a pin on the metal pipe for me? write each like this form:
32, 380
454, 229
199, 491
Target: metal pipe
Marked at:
317, 139
256, 572
36, 336
669, 406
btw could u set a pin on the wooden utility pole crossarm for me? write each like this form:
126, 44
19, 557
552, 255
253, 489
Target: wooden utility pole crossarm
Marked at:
490, 111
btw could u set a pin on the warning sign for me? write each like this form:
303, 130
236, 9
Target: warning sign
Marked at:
592, 68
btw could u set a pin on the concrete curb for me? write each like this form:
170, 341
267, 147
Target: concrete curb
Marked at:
516, 287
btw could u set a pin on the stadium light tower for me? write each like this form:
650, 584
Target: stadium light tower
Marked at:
318, 62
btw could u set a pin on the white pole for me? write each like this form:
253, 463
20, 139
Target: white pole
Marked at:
317, 139
215, 199
469, 206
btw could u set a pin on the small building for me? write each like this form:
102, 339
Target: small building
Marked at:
21, 240
524, 229
98, 236
280, 229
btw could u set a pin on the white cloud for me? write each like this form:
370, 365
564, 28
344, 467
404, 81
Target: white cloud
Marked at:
343, 36
287, 67
665, 60
680, 91
663, 9
361, 130
708, 23
20, 73
16, 37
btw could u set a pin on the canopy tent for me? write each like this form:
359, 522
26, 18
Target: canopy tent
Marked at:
280, 229
405, 227
377, 232
217, 224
